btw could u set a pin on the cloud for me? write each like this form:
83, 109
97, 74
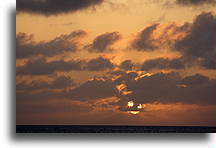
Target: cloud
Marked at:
165, 88
195, 2
103, 42
93, 89
163, 63
99, 64
189, 3
40, 66
144, 41
62, 24
194, 41
116, 72
54, 7
127, 65
60, 82
26, 47
126, 78
172, 88
157, 36
196, 79
198, 45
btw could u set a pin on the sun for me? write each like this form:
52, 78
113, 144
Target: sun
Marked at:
134, 112
133, 109
130, 104
139, 106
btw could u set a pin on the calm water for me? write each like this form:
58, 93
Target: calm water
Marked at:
111, 129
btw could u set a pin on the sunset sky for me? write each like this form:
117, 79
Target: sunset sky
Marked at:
115, 62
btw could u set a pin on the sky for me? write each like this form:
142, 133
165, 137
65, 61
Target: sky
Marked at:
115, 62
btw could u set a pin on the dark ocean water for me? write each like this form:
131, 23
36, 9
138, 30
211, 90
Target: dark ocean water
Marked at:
111, 129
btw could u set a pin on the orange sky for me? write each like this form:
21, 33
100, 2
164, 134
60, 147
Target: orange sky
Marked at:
98, 54
127, 17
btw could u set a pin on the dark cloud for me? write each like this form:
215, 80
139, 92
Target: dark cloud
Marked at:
196, 79
171, 88
159, 87
198, 45
89, 90
199, 90
157, 36
41, 66
58, 83
99, 64
116, 72
163, 63
209, 64
195, 2
62, 24
103, 42
126, 78
54, 7
61, 82
94, 89
144, 41
26, 47
127, 65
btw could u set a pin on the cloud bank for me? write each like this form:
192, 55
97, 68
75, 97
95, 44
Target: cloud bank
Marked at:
54, 7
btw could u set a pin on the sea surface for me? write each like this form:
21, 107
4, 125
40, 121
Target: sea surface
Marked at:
111, 129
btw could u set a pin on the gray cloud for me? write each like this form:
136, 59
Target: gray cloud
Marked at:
172, 88
159, 87
99, 64
196, 48
58, 83
127, 65
103, 42
41, 66
144, 41
62, 24
116, 72
26, 47
194, 2
196, 79
163, 63
199, 45
148, 41
94, 89
54, 7
126, 78
90, 90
